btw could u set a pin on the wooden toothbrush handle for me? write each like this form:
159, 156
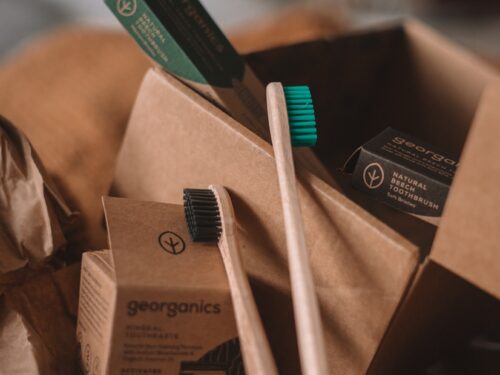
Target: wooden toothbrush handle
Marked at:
306, 309
256, 351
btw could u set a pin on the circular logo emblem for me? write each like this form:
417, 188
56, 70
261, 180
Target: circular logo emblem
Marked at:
172, 243
126, 8
373, 175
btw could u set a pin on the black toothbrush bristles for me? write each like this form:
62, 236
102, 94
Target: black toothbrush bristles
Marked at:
202, 215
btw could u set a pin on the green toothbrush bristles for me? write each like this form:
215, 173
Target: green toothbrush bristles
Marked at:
301, 116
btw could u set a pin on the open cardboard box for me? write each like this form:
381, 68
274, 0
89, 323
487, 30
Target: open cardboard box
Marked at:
388, 283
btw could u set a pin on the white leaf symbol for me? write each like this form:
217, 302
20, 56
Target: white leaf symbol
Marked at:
373, 177
125, 6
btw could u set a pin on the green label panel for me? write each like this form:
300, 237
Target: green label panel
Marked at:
182, 37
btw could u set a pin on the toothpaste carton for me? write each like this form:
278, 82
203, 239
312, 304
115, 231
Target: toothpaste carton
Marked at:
155, 302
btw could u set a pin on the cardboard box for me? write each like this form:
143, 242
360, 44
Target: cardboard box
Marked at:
379, 272
155, 302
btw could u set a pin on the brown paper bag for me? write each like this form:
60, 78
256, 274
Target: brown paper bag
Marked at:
38, 309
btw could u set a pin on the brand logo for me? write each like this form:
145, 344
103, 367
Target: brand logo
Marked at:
172, 309
126, 8
433, 155
373, 175
172, 243
204, 25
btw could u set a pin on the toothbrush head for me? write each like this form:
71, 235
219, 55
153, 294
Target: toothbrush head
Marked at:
301, 116
202, 215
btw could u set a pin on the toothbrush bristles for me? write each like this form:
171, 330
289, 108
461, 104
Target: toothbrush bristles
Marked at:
202, 215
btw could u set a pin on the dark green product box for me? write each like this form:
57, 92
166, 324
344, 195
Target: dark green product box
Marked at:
184, 40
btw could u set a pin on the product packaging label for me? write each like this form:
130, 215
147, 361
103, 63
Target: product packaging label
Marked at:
184, 40
182, 37
155, 303
404, 172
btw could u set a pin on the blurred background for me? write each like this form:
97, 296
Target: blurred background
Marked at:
473, 23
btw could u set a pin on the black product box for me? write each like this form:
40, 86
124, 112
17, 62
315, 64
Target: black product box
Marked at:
404, 172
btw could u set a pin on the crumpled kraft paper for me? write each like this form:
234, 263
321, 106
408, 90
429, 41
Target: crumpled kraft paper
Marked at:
38, 324
15, 334
37, 303
31, 210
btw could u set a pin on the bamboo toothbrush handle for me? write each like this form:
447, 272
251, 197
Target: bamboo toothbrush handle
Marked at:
307, 316
257, 354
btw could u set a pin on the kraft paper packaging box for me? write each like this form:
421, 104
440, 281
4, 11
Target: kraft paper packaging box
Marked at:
379, 272
155, 302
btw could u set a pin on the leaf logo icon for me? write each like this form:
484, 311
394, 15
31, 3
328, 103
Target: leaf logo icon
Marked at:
373, 176
172, 243
126, 8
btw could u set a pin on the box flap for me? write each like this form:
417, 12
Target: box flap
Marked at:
449, 83
150, 246
468, 241
424, 331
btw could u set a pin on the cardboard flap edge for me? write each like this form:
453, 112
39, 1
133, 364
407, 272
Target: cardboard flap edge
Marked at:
467, 240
